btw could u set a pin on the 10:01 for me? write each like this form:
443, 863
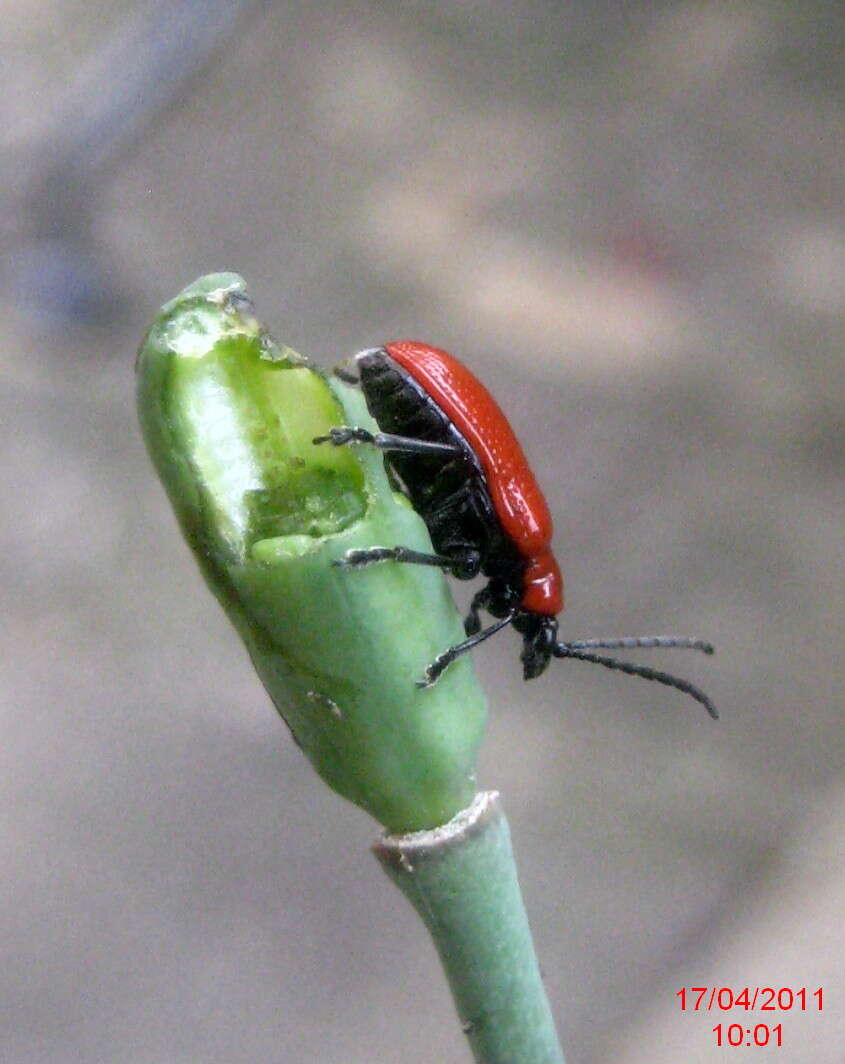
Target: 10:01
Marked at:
734, 1034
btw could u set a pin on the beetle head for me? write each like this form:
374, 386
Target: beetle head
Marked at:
539, 636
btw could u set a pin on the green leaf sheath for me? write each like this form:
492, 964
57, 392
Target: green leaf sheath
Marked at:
228, 415
461, 879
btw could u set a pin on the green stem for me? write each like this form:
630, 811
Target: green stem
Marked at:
461, 878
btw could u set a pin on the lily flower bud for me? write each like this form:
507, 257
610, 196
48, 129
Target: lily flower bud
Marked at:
228, 416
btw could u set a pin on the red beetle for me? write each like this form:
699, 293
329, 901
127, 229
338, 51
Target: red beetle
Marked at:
456, 457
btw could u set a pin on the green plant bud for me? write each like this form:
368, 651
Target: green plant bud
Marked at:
229, 415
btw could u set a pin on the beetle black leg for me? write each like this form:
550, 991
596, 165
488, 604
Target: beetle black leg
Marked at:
340, 437
464, 566
385, 441
444, 660
480, 601
344, 373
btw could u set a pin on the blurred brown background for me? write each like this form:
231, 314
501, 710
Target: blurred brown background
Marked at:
628, 219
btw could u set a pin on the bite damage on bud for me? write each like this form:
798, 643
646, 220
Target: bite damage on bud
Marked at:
229, 415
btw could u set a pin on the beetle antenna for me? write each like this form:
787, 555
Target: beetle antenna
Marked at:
568, 650
637, 642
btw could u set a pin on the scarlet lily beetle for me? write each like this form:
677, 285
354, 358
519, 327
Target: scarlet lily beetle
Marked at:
456, 457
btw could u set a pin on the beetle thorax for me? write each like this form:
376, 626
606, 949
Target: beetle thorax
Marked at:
542, 585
